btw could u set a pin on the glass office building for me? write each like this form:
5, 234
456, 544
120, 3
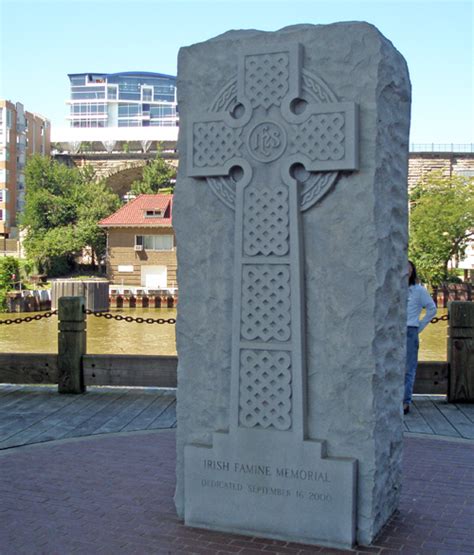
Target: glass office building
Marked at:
128, 99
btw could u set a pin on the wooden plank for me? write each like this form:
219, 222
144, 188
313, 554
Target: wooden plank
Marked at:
431, 378
13, 398
28, 368
36, 422
89, 427
461, 379
457, 419
165, 420
8, 389
69, 418
137, 403
29, 425
158, 406
437, 422
23, 398
461, 352
130, 370
415, 422
71, 344
467, 410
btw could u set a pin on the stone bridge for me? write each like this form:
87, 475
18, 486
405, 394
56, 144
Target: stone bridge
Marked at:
119, 170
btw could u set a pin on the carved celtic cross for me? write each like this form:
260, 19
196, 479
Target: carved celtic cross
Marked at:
270, 147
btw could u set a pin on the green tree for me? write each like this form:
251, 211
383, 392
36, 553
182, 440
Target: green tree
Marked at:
441, 223
94, 201
9, 275
62, 209
158, 177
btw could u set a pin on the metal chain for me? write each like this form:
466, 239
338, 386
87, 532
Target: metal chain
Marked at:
28, 318
119, 317
440, 319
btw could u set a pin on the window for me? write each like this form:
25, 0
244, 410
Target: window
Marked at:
128, 110
112, 92
147, 94
87, 92
129, 123
87, 109
3, 195
155, 242
77, 80
153, 213
129, 89
162, 110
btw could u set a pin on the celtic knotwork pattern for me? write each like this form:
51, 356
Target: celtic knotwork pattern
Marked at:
215, 143
317, 88
317, 186
321, 137
266, 302
266, 222
226, 98
223, 189
265, 389
266, 79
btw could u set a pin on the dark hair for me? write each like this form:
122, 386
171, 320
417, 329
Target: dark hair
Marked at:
413, 278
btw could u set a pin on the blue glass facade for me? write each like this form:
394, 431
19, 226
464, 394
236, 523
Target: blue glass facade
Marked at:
134, 99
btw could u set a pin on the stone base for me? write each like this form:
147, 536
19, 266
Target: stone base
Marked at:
270, 484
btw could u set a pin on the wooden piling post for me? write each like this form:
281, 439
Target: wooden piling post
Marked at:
71, 344
461, 352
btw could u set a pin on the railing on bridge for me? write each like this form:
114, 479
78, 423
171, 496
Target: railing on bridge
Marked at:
73, 370
438, 147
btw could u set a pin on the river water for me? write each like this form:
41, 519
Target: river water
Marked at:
118, 337
103, 336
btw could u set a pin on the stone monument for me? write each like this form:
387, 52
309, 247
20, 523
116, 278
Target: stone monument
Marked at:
291, 220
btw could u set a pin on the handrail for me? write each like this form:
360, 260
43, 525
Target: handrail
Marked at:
440, 147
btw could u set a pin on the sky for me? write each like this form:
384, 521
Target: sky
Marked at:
41, 41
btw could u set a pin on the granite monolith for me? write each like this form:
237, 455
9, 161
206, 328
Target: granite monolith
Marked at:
291, 220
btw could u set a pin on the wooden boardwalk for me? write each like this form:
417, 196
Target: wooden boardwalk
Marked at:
433, 415
35, 414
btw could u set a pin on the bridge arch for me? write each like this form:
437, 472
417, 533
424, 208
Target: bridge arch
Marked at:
120, 178
118, 171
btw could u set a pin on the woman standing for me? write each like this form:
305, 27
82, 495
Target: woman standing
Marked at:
418, 299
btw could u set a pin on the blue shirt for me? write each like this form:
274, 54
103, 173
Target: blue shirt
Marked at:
418, 299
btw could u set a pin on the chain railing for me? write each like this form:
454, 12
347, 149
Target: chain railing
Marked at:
443, 318
10, 321
130, 319
120, 318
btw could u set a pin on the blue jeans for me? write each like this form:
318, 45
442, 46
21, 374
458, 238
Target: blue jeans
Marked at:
412, 361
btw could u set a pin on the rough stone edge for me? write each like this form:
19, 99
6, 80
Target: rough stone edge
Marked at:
393, 96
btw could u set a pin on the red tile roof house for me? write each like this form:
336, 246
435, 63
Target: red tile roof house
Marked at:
141, 244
